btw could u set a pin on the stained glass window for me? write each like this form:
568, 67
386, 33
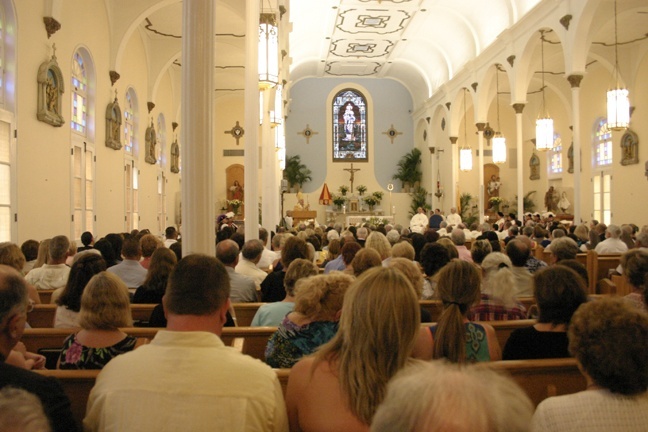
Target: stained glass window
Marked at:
160, 148
602, 151
129, 122
556, 157
79, 95
349, 127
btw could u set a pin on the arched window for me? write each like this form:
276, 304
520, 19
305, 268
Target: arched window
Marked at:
79, 95
131, 172
81, 140
349, 126
601, 175
602, 144
8, 224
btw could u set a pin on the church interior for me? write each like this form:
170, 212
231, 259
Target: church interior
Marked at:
128, 126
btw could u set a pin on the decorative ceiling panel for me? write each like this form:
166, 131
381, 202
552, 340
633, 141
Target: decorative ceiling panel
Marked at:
371, 48
372, 21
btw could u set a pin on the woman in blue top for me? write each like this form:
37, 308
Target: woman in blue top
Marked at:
454, 337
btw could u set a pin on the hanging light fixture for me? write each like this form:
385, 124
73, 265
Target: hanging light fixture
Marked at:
276, 111
544, 123
499, 142
618, 104
268, 51
465, 153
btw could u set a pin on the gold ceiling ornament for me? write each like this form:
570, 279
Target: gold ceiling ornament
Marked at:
307, 133
237, 132
392, 133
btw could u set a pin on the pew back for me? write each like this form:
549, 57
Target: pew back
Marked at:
43, 314
538, 378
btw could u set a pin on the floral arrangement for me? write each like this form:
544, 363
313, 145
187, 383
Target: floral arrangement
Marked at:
496, 201
374, 220
361, 189
338, 200
343, 190
235, 204
378, 196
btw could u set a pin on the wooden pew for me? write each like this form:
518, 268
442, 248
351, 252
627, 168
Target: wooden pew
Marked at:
43, 314
598, 268
503, 329
539, 379
253, 339
245, 313
45, 295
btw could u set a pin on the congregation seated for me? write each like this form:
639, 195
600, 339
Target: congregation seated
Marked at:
318, 304
608, 338
612, 243
272, 314
161, 265
12, 256
129, 270
635, 272
440, 396
559, 292
69, 302
55, 273
454, 337
479, 250
498, 299
363, 260
519, 252
340, 387
272, 287
434, 257
105, 307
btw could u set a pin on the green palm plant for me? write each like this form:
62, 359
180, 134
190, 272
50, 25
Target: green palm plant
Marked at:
408, 168
419, 199
296, 172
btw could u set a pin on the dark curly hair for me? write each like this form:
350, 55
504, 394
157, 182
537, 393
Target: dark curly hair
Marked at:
608, 338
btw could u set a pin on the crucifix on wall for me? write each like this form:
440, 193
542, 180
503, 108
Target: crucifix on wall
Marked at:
307, 133
237, 132
352, 171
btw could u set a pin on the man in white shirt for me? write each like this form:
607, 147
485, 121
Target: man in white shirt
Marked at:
453, 218
268, 256
55, 273
419, 221
247, 264
186, 378
612, 244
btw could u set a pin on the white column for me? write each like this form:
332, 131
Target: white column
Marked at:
251, 120
197, 89
270, 194
480, 136
454, 148
519, 107
575, 80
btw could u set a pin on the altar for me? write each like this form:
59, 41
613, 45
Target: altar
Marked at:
356, 218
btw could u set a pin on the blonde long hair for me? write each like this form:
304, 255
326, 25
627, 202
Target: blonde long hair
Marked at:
458, 289
378, 327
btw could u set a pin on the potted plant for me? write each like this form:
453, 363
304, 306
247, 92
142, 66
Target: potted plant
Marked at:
408, 171
378, 196
371, 202
343, 190
419, 199
527, 203
338, 201
361, 189
296, 172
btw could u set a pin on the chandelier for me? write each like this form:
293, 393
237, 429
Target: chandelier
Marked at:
268, 51
465, 153
618, 104
499, 142
544, 123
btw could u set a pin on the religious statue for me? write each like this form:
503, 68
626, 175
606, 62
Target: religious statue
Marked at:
550, 200
349, 122
113, 125
175, 157
534, 166
236, 190
564, 203
50, 91
151, 140
493, 186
